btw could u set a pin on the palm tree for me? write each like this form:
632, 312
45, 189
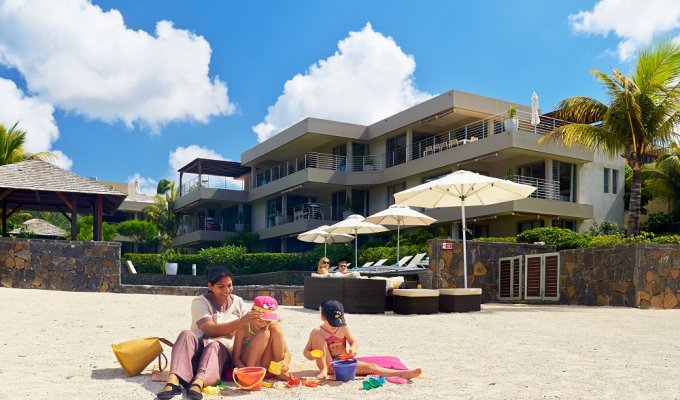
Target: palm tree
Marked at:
162, 214
12, 142
641, 114
663, 179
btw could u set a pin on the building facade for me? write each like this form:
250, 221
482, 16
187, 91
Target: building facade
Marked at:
317, 171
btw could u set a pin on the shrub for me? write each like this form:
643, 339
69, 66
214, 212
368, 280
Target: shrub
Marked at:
605, 228
659, 223
390, 253
607, 240
559, 237
667, 239
146, 263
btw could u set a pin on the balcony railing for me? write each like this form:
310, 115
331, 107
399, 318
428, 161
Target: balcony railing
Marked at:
307, 211
213, 182
549, 190
370, 163
452, 139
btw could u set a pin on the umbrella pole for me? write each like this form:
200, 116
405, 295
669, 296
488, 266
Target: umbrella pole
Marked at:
462, 210
356, 250
324, 248
398, 242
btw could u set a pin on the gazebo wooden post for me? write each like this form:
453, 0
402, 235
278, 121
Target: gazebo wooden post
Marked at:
4, 219
97, 220
74, 217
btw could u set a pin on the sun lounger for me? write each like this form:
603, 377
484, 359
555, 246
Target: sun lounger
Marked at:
367, 264
380, 262
403, 261
415, 260
131, 267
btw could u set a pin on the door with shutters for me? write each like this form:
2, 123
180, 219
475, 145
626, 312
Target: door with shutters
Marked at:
541, 276
510, 278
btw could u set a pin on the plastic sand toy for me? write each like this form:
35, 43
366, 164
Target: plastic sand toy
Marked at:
293, 381
397, 379
316, 353
211, 390
372, 382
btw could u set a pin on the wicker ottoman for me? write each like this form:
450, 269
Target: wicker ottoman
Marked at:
416, 301
460, 300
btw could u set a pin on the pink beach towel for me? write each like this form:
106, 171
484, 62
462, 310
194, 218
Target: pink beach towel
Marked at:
390, 362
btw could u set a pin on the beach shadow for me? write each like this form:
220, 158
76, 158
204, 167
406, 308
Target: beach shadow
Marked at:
144, 380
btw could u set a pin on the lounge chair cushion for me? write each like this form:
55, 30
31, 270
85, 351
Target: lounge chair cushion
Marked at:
351, 275
460, 292
416, 292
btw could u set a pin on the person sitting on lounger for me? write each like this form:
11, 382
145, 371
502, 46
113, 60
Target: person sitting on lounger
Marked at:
342, 267
324, 264
333, 336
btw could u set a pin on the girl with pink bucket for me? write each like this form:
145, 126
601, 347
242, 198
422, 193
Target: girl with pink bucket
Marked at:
327, 345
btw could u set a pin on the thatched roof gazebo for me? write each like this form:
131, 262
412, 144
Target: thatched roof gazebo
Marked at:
36, 185
40, 228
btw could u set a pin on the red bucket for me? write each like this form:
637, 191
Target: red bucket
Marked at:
249, 378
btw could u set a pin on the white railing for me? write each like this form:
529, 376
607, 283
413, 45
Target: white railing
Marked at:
212, 182
451, 139
545, 189
370, 163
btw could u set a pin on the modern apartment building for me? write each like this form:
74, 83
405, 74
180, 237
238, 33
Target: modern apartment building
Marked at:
317, 170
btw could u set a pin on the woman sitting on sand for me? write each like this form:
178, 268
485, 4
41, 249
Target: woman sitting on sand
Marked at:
333, 336
202, 354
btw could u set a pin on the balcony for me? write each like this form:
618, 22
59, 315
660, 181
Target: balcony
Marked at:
194, 231
212, 182
450, 140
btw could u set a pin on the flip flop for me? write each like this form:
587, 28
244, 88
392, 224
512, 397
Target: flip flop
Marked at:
169, 394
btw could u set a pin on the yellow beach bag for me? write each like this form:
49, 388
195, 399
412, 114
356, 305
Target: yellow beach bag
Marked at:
135, 355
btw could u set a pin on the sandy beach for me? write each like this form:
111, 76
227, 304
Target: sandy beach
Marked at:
57, 345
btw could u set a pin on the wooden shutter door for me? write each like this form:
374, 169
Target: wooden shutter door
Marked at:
551, 289
532, 277
510, 278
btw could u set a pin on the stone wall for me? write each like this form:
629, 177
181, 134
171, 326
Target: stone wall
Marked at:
59, 264
482, 263
285, 295
633, 275
285, 278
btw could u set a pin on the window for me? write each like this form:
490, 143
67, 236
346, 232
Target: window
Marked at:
606, 180
396, 150
392, 189
565, 223
565, 174
526, 225
615, 181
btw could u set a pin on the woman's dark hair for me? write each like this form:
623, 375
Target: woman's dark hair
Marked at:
216, 273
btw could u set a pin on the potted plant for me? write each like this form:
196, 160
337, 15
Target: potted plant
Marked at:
348, 208
238, 226
511, 123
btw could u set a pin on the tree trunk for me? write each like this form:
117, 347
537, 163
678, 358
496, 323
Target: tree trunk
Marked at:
635, 196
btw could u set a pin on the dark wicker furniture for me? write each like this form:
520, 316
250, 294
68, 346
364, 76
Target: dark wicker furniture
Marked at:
460, 300
358, 296
416, 301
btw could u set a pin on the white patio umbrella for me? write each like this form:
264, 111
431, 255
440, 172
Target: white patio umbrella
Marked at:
319, 235
460, 189
355, 225
400, 215
535, 119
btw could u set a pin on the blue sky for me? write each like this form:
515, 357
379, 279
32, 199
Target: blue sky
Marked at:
135, 89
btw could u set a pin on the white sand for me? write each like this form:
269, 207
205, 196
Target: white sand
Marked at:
57, 345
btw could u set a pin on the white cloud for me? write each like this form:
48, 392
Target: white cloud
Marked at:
636, 23
34, 117
61, 160
182, 156
367, 79
83, 59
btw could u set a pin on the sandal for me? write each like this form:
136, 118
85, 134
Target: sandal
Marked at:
193, 394
169, 394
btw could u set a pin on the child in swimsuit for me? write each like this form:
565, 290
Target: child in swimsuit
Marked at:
333, 336
262, 341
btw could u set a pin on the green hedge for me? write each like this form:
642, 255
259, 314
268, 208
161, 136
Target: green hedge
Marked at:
558, 237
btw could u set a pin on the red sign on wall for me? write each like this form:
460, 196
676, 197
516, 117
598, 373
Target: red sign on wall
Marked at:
447, 246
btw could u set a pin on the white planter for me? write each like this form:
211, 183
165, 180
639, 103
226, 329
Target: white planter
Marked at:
170, 268
511, 125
